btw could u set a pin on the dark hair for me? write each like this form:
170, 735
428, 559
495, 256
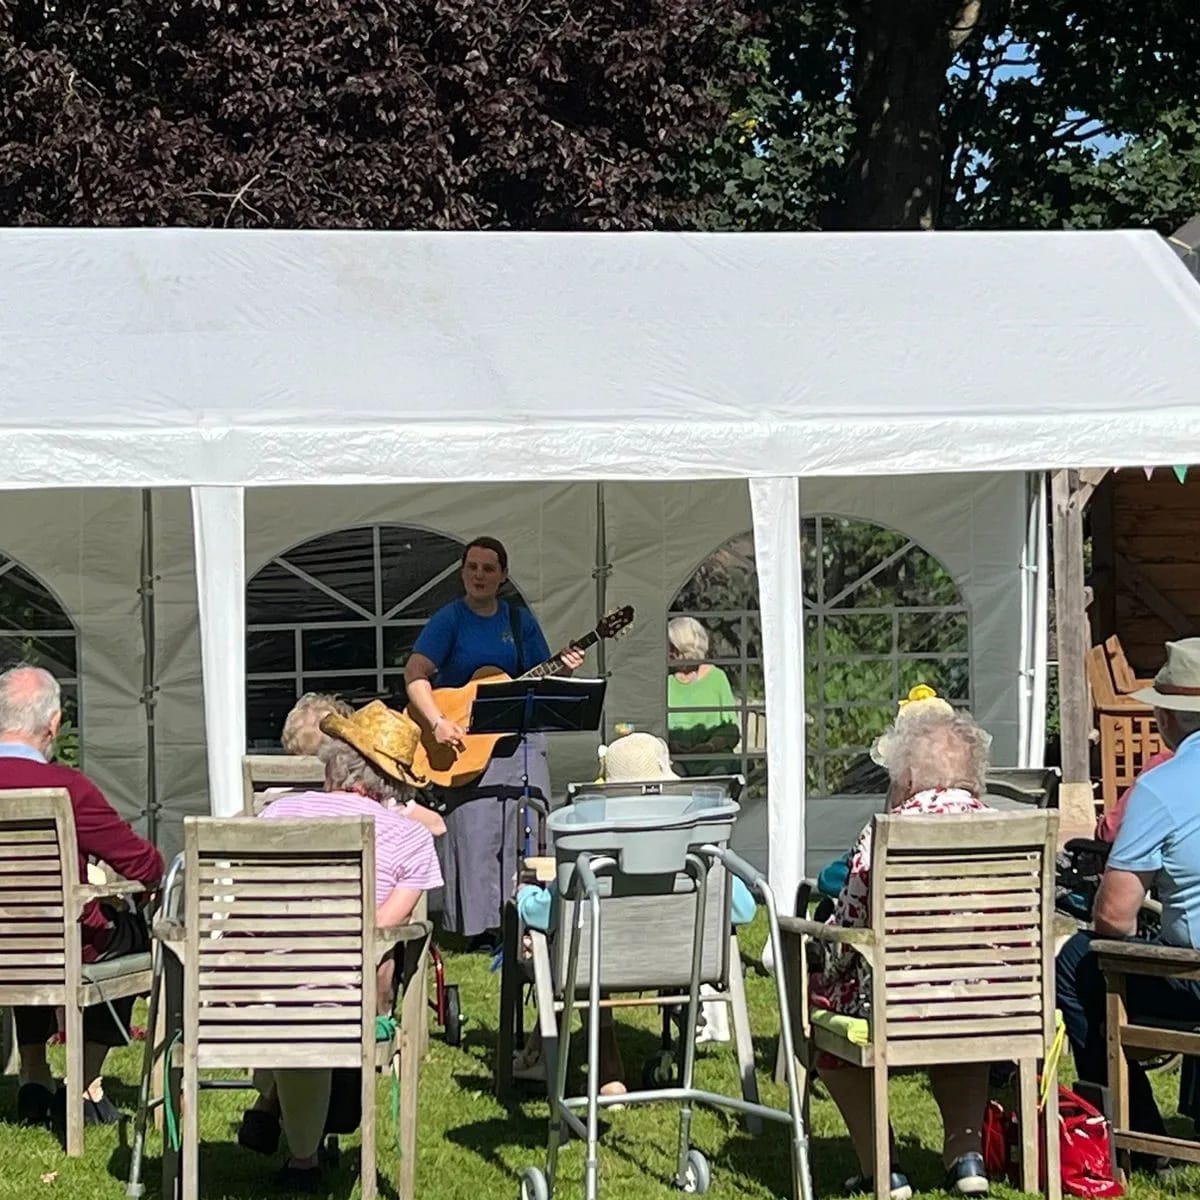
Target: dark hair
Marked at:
487, 543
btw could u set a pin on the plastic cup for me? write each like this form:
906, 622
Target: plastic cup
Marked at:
707, 795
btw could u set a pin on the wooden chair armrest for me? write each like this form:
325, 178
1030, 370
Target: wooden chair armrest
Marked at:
389, 937
169, 930
826, 933
410, 931
101, 891
1123, 707
1127, 957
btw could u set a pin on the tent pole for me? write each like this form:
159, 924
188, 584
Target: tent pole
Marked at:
600, 574
149, 663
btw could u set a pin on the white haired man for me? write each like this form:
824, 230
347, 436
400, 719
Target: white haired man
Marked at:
30, 716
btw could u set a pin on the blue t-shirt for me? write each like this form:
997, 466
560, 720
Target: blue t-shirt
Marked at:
1160, 832
460, 641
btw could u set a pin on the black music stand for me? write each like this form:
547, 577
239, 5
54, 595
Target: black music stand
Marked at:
551, 704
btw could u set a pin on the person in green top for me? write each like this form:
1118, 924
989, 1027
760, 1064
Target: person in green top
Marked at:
702, 712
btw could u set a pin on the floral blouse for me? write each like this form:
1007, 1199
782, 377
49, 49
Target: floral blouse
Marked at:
843, 985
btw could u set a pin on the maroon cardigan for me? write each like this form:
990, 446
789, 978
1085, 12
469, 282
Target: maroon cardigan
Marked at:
101, 834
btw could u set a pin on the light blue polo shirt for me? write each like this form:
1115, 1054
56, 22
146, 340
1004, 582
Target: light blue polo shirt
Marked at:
1161, 833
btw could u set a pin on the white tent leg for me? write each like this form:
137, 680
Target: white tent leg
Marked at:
218, 515
1038, 554
775, 504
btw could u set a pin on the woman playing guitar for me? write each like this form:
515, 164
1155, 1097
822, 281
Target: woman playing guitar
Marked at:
479, 851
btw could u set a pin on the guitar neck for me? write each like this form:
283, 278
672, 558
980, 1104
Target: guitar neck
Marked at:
555, 663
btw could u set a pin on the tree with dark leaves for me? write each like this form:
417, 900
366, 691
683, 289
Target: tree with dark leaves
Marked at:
379, 114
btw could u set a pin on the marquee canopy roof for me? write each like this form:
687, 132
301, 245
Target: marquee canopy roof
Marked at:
181, 357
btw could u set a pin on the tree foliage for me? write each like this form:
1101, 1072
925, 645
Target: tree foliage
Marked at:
546, 114
964, 114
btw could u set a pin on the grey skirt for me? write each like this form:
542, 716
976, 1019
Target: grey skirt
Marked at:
483, 836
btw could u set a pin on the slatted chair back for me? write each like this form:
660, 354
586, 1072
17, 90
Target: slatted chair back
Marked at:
963, 908
1036, 786
646, 941
39, 904
280, 920
1100, 679
263, 772
1123, 673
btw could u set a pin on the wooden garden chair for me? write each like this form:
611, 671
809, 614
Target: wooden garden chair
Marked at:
1119, 960
273, 965
961, 950
1128, 733
261, 773
41, 901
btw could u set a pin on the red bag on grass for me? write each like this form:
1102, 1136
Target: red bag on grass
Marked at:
1084, 1138
1084, 1147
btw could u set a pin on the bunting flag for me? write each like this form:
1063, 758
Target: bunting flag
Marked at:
1180, 472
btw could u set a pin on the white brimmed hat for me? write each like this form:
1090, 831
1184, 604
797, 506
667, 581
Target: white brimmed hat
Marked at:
637, 758
1177, 685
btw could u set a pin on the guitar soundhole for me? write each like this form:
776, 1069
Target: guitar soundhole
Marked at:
442, 758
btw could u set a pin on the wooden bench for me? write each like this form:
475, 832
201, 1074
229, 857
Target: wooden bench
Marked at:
1119, 961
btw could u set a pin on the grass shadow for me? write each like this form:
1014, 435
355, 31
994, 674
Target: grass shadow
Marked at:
229, 1170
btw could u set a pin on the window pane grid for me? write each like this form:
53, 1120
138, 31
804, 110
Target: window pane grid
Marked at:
861, 658
375, 586
36, 629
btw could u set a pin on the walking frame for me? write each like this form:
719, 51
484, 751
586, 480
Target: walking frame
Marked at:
691, 1167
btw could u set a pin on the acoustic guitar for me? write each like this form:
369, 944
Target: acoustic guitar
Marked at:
450, 767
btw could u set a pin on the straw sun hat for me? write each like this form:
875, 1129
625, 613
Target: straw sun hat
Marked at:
385, 738
1177, 685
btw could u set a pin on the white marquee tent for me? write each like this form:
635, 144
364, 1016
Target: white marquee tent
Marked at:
302, 383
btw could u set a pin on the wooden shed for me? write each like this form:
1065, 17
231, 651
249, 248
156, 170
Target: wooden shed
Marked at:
1145, 562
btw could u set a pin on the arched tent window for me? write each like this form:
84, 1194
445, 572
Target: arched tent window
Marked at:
881, 614
36, 628
340, 613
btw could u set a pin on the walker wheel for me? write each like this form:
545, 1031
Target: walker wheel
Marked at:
658, 1071
454, 1019
697, 1178
534, 1185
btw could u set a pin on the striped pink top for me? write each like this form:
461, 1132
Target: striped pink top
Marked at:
404, 850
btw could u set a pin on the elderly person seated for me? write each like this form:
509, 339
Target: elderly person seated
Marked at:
368, 765
303, 735
936, 761
1157, 844
702, 711
30, 717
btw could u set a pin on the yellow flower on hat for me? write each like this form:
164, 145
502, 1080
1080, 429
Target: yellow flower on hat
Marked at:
921, 692
921, 697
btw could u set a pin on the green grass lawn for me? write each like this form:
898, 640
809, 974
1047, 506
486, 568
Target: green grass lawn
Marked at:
472, 1147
